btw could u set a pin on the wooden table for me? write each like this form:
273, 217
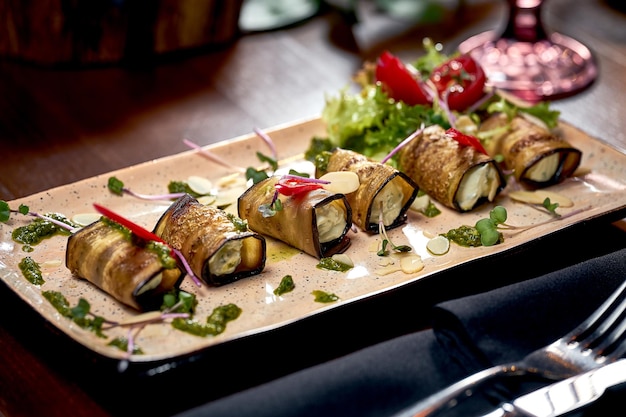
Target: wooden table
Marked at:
61, 125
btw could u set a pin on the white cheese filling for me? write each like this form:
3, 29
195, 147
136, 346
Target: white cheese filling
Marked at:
389, 201
480, 181
227, 258
544, 169
331, 222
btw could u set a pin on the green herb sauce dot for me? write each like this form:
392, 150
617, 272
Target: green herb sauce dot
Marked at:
31, 271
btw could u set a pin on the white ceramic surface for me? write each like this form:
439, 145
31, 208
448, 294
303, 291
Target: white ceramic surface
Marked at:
598, 188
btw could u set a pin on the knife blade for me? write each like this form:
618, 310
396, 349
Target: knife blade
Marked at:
565, 396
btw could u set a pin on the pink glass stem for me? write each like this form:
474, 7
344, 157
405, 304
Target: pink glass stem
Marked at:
524, 22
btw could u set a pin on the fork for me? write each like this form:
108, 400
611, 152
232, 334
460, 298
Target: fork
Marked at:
597, 341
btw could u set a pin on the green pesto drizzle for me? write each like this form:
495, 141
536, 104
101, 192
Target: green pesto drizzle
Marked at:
78, 314
215, 323
324, 297
286, 285
469, 236
163, 252
240, 224
332, 265
31, 271
122, 344
464, 235
176, 187
40, 229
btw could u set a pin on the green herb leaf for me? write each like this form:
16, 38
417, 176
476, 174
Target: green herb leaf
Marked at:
551, 207
383, 248
498, 215
115, 186
255, 175
271, 161
5, 211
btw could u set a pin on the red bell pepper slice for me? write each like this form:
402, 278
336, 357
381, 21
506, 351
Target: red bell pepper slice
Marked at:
398, 82
466, 140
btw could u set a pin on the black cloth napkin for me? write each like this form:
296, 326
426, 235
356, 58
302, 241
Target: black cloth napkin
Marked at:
468, 334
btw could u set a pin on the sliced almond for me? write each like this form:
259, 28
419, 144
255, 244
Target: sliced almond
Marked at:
343, 182
344, 259
52, 263
538, 197
207, 200
85, 219
140, 318
200, 185
388, 270
228, 196
411, 264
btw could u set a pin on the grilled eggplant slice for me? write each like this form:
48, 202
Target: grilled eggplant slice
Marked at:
316, 222
458, 176
218, 246
132, 270
535, 155
382, 190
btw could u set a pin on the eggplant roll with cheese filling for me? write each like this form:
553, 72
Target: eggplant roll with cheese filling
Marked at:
132, 270
219, 247
316, 222
535, 155
458, 176
384, 192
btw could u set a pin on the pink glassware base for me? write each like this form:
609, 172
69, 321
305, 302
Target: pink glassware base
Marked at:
534, 71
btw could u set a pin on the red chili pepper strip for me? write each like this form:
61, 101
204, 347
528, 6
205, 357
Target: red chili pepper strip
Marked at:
293, 185
398, 82
133, 227
466, 140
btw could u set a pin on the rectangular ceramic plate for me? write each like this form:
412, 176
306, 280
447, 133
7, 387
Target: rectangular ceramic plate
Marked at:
598, 189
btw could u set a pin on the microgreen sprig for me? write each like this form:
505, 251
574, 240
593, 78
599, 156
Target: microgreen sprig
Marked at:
251, 173
488, 227
268, 141
116, 186
386, 241
182, 306
5, 215
212, 156
270, 210
551, 207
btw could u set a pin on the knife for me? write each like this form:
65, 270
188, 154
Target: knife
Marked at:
565, 396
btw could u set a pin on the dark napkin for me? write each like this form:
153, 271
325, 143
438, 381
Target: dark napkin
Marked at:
505, 324
468, 334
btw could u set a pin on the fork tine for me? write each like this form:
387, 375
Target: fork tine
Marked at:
613, 345
600, 319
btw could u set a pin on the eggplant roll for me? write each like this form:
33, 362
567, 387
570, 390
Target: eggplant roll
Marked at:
316, 222
133, 271
458, 176
382, 190
535, 155
218, 247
